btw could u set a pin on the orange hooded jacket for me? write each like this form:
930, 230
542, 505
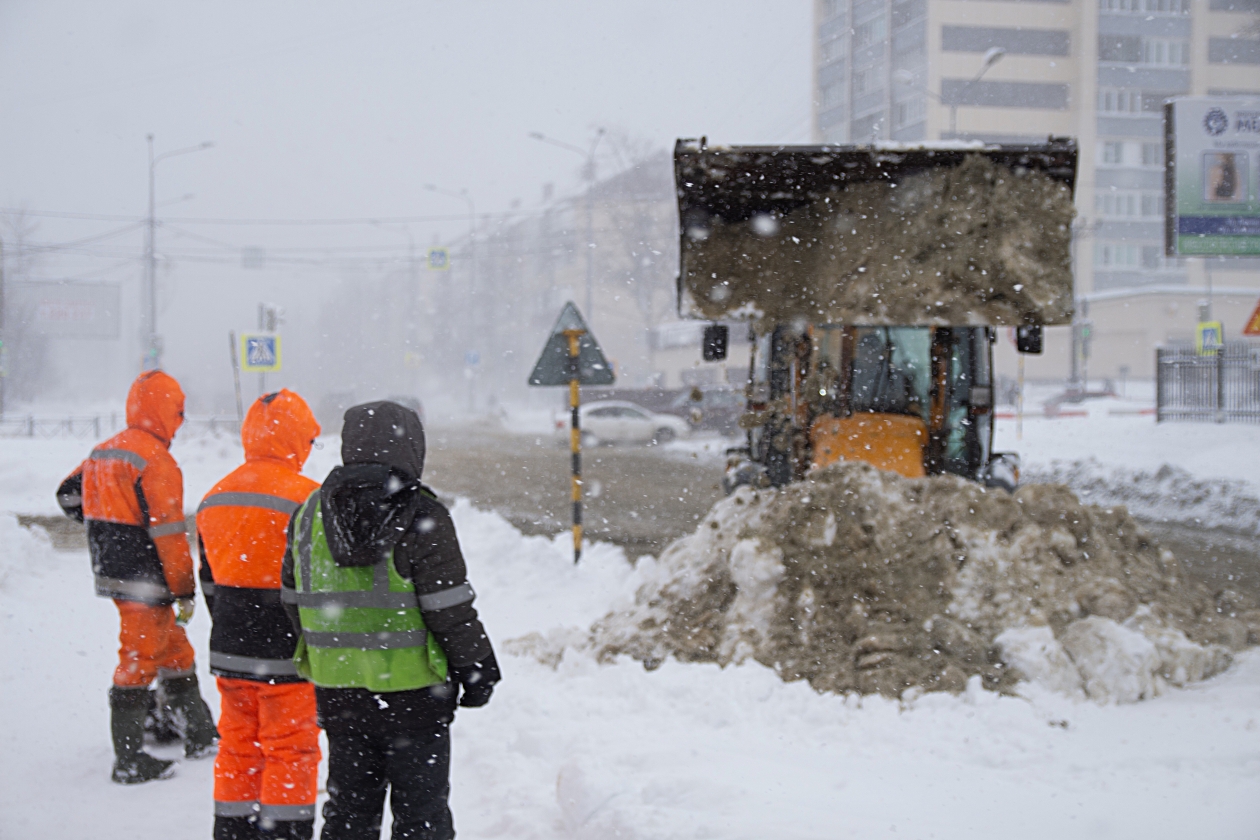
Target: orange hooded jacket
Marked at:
132, 497
242, 524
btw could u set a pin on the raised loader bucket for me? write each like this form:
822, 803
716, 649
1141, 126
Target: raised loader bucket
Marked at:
959, 235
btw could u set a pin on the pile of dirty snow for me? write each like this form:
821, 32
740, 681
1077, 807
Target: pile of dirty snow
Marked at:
861, 580
979, 243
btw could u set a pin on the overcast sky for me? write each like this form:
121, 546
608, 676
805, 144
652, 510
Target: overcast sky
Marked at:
347, 109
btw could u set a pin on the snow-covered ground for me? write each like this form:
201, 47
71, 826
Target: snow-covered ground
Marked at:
689, 751
1192, 473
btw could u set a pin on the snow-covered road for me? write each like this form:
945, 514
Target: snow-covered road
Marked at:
687, 751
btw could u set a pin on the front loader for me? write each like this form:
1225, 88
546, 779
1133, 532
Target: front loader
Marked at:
873, 280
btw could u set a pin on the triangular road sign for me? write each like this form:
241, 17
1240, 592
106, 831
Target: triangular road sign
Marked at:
552, 367
1253, 323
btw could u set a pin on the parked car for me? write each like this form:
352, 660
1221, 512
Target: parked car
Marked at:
613, 421
714, 409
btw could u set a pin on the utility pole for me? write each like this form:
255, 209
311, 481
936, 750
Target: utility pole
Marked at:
153, 342
476, 330
589, 175
991, 57
412, 293
906, 77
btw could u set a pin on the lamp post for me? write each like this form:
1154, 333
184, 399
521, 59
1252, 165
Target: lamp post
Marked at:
588, 175
991, 57
153, 344
472, 277
412, 282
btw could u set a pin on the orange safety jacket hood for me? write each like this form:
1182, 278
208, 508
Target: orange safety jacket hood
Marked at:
279, 427
155, 404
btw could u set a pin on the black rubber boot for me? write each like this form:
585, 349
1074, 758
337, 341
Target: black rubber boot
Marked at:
157, 727
132, 765
181, 699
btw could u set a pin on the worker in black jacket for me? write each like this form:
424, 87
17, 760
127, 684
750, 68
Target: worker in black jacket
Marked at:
374, 580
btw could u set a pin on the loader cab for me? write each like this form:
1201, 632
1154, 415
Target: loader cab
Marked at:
913, 400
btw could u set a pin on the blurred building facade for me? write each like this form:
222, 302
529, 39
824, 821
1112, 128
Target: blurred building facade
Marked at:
614, 243
1015, 71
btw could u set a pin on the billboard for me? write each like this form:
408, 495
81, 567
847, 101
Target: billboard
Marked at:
1212, 201
65, 309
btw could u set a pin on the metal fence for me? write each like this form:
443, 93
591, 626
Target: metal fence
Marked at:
101, 426
1221, 386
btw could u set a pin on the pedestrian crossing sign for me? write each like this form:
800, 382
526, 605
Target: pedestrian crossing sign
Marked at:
1209, 336
260, 352
439, 259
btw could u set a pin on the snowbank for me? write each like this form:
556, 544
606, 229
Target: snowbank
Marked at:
859, 580
578, 750
1165, 494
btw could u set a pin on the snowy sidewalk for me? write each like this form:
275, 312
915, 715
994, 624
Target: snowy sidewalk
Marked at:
687, 751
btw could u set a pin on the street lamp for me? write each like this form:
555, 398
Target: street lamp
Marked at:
588, 175
472, 275
412, 283
992, 56
153, 349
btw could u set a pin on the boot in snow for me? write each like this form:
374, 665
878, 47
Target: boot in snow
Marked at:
132, 765
157, 726
181, 698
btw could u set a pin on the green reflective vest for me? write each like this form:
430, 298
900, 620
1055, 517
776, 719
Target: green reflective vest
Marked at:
361, 625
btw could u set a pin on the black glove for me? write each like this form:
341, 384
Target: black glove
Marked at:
476, 681
70, 497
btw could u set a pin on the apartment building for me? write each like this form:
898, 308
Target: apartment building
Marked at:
1015, 71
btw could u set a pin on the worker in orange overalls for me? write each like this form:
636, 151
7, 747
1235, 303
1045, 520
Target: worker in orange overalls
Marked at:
130, 493
265, 774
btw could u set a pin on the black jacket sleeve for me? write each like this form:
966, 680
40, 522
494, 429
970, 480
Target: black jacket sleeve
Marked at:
429, 556
287, 579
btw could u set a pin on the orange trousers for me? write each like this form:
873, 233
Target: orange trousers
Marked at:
149, 641
269, 748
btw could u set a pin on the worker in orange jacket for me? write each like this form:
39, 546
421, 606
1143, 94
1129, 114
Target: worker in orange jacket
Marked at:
130, 492
265, 774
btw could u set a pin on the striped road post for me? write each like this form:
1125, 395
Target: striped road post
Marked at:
575, 436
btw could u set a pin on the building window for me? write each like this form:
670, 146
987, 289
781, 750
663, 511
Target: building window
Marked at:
1120, 255
867, 80
831, 50
1165, 52
831, 8
871, 32
1128, 204
909, 112
1153, 154
829, 96
1147, 7
1116, 205
1119, 101
1113, 153
1152, 205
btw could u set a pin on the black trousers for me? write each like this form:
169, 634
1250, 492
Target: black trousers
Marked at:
396, 740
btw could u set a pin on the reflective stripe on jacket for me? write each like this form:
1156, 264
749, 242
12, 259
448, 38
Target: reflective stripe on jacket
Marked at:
361, 625
242, 525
